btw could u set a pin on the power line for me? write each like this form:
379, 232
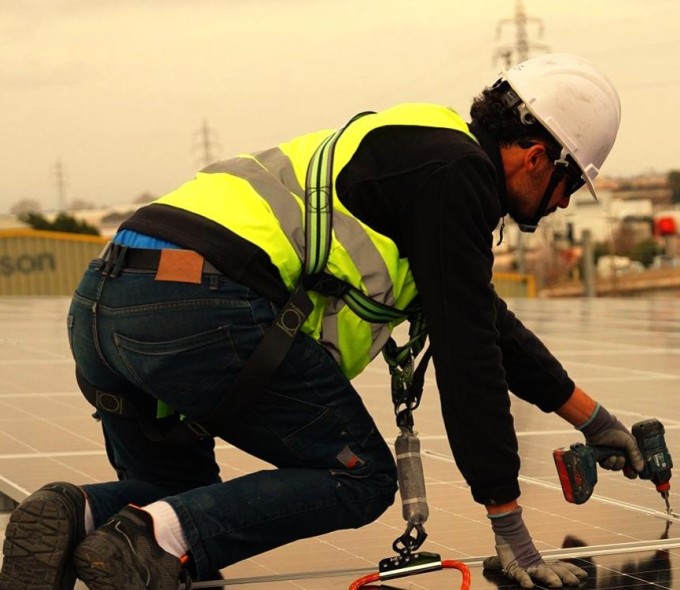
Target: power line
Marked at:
519, 52
61, 186
207, 142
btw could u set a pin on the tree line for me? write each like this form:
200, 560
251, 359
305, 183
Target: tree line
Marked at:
63, 222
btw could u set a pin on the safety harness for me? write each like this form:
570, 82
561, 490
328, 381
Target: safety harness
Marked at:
407, 382
275, 344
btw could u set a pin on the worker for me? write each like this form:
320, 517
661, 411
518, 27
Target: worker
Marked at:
241, 305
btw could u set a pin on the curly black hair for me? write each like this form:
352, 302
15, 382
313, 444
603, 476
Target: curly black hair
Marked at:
491, 111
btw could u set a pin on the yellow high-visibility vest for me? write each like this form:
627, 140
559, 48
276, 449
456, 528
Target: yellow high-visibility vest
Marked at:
261, 197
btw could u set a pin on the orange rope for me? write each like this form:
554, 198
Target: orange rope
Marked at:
365, 580
462, 568
450, 564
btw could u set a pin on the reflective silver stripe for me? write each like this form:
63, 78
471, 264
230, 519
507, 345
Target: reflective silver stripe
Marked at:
380, 333
275, 163
348, 230
271, 188
365, 256
280, 167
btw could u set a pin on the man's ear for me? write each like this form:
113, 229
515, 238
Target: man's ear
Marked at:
534, 156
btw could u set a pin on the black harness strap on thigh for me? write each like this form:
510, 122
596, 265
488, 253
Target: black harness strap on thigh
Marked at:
263, 363
104, 401
245, 389
171, 429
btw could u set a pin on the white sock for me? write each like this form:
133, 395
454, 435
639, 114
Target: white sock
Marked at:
89, 520
168, 530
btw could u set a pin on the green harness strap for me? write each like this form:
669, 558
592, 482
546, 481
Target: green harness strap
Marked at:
318, 233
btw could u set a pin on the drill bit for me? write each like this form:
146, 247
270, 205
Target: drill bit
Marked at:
665, 496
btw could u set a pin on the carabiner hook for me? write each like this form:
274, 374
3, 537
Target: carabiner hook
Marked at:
409, 542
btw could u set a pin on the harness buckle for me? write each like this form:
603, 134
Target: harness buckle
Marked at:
109, 402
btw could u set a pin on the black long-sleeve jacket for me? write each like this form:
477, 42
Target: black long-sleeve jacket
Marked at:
438, 195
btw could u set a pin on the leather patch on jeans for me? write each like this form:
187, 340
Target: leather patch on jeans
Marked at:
349, 459
182, 266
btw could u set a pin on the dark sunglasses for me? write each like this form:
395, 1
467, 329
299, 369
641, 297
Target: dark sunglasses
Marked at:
574, 178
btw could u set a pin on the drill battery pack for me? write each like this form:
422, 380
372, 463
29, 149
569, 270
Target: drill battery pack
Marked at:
577, 471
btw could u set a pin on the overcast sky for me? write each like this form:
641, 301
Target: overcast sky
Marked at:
118, 90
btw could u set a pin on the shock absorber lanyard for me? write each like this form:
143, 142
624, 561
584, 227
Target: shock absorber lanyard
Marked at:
407, 389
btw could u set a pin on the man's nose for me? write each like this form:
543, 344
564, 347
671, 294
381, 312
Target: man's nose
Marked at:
563, 203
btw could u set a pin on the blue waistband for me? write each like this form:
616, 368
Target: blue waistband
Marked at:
133, 239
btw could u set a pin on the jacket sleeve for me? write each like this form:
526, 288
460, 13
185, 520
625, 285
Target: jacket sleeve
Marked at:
533, 373
448, 231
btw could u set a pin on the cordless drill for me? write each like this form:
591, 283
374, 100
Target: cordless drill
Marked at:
577, 466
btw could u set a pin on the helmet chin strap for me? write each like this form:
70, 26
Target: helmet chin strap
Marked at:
557, 176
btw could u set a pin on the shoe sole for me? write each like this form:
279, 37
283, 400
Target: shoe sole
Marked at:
38, 535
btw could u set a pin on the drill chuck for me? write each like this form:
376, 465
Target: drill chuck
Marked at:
649, 435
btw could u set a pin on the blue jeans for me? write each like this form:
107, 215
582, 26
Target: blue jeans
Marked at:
184, 343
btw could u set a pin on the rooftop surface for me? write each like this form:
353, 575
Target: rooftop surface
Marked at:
624, 352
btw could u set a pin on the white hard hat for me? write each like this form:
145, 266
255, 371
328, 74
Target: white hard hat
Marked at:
575, 102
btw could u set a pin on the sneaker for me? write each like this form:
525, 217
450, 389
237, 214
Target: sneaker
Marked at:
123, 553
40, 538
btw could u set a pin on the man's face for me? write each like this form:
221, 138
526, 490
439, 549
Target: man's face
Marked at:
527, 185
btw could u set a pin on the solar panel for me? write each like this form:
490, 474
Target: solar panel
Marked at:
624, 352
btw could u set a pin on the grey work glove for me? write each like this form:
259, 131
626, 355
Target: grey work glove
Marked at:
603, 429
519, 560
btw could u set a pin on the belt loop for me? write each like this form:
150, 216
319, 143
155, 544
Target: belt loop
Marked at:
110, 258
118, 262
104, 254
